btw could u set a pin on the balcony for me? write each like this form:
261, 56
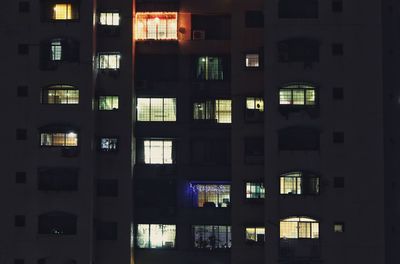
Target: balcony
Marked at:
299, 250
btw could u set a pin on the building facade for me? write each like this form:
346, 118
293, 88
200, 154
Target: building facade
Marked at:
187, 131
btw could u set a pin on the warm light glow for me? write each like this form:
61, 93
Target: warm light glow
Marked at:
62, 11
156, 26
299, 227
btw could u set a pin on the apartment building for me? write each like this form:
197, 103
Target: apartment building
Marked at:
185, 131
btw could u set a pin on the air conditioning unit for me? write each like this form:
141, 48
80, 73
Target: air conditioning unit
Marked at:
199, 35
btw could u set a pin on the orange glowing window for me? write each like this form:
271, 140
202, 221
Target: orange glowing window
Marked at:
156, 25
62, 11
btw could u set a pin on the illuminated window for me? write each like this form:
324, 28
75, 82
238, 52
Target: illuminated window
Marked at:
298, 183
210, 195
107, 103
209, 69
156, 26
158, 152
60, 94
62, 11
156, 109
56, 50
109, 19
155, 236
109, 61
255, 235
108, 144
338, 227
297, 95
252, 61
255, 190
212, 237
219, 110
299, 227
255, 103
59, 139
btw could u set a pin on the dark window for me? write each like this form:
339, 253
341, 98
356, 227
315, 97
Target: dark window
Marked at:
337, 6
60, 10
210, 68
19, 261
212, 237
211, 27
22, 91
254, 150
106, 231
254, 19
21, 134
298, 138
20, 177
24, 6
19, 220
41, 261
299, 50
338, 137
157, 67
160, 194
210, 151
57, 223
107, 187
298, 9
338, 182
337, 49
57, 50
23, 49
337, 93
58, 179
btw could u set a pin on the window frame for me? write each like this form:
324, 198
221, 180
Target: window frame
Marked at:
106, 13
53, 133
228, 234
164, 16
298, 236
141, 157
194, 189
47, 11
52, 87
298, 86
256, 183
174, 99
113, 97
100, 149
204, 76
251, 242
211, 110
107, 68
149, 237
303, 179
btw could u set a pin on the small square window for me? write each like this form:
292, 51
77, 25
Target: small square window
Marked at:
337, 49
337, 6
23, 49
338, 227
20, 177
337, 93
338, 137
21, 134
108, 144
338, 182
24, 6
22, 91
19, 261
19, 220
252, 60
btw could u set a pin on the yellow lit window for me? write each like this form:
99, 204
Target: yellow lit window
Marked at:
158, 152
253, 103
156, 109
255, 234
69, 139
156, 26
60, 94
62, 11
299, 227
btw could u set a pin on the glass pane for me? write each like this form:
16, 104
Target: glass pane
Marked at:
288, 229
285, 97
223, 110
298, 97
143, 236
62, 11
169, 109
157, 112
252, 60
310, 97
143, 109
